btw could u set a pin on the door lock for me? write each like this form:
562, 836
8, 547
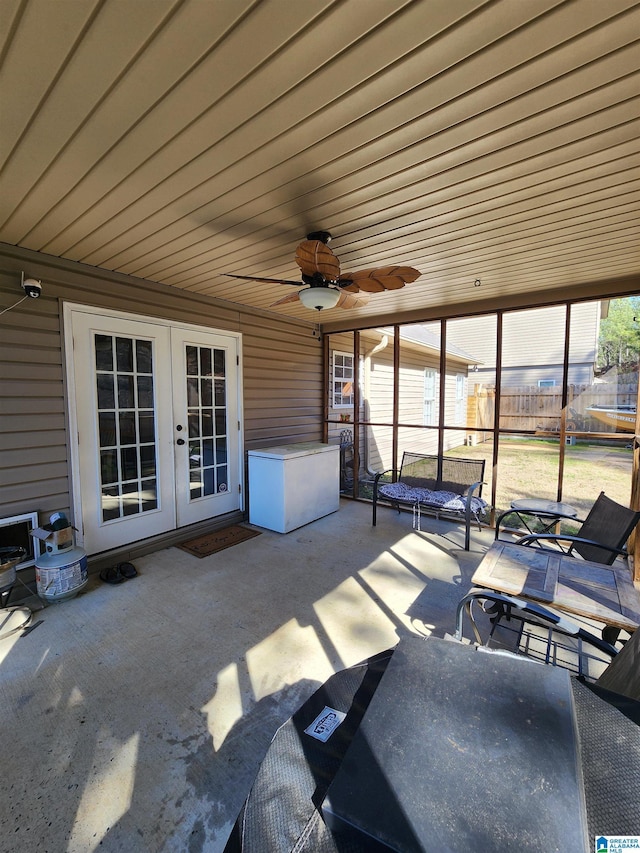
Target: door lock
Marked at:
180, 441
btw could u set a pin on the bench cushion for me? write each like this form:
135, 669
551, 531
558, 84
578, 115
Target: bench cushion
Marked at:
438, 499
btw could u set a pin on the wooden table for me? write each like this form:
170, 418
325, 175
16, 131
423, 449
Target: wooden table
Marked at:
603, 593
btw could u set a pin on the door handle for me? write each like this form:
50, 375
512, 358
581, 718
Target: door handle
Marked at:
180, 441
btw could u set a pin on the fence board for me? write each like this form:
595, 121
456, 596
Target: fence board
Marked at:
529, 408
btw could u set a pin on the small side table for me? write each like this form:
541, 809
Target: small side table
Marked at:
545, 512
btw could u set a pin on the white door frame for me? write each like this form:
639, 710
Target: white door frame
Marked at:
69, 309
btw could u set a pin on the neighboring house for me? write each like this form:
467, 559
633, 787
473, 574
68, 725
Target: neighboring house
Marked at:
532, 345
419, 392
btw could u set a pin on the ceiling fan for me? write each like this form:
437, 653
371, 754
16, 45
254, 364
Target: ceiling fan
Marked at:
326, 287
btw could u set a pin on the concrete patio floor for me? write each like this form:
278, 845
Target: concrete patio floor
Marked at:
135, 716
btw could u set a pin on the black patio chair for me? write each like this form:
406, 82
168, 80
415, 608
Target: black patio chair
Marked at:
600, 539
540, 633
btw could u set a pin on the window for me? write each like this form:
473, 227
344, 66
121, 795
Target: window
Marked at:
343, 371
546, 383
430, 414
461, 405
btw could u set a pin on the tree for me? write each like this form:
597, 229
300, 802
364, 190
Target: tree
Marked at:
619, 340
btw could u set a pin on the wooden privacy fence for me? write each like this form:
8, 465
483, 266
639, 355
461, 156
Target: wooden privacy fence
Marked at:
529, 408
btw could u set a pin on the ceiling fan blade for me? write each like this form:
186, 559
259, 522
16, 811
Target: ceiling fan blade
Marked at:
290, 297
266, 280
313, 256
352, 300
377, 280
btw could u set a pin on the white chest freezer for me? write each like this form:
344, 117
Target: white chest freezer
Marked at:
293, 484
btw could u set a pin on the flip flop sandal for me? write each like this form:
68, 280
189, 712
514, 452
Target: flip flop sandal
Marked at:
112, 575
127, 570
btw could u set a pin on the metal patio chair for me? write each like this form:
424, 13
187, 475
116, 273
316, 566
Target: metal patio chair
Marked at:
519, 625
600, 539
552, 638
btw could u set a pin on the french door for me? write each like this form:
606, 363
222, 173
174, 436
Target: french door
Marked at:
154, 409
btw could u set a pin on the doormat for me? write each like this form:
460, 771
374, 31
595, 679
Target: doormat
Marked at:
217, 540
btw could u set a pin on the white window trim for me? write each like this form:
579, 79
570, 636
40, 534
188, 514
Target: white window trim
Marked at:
348, 355
431, 384
461, 395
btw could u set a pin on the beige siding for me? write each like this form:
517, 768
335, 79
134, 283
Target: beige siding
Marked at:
533, 343
534, 337
411, 410
377, 403
282, 370
34, 474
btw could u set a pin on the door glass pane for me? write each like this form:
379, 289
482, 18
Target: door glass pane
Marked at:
192, 392
192, 361
146, 426
124, 354
104, 352
125, 392
126, 425
129, 462
205, 362
147, 461
206, 394
193, 419
131, 493
127, 428
219, 368
207, 421
143, 356
107, 429
149, 495
145, 391
106, 395
109, 466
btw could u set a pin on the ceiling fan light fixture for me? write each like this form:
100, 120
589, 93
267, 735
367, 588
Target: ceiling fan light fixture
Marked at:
319, 297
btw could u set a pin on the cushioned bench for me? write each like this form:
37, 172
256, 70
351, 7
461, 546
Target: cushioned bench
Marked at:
439, 485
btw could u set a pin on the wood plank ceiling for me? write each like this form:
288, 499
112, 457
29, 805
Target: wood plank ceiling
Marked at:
176, 140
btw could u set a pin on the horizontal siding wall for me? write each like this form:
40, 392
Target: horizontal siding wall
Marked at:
533, 343
282, 383
282, 370
34, 474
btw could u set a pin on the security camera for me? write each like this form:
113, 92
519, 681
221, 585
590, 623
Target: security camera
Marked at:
32, 287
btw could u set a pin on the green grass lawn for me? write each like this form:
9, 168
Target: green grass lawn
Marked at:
529, 468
